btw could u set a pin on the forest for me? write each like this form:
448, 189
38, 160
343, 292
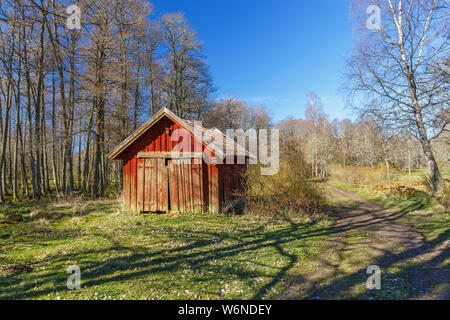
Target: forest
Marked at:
67, 97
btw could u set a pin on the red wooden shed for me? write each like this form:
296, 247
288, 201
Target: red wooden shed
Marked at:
171, 164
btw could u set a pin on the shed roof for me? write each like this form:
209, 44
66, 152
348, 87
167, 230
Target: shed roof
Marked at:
210, 137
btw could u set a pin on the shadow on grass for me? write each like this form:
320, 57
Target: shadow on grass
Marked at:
199, 255
57, 211
426, 278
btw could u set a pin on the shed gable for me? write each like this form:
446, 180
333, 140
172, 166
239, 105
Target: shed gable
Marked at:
157, 177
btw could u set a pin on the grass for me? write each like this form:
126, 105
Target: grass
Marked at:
398, 262
126, 256
351, 253
422, 215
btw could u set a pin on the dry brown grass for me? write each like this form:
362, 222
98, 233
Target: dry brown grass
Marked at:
76, 206
393, 183
442, 198
289, 192
40, 227
445, 195
398, 190
364, 176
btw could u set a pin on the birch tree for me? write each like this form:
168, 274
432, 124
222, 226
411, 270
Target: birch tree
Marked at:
392, 72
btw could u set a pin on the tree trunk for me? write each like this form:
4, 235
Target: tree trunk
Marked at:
435, 174
16, 146
86, 154
99, 107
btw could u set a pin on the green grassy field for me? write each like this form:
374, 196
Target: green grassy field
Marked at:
125, 256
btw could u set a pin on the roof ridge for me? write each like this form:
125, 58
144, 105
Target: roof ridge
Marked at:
190, 125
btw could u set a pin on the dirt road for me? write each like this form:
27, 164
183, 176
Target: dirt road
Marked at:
365, 234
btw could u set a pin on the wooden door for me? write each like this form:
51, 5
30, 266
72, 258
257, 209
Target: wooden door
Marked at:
232, 177
153, 185
186, 186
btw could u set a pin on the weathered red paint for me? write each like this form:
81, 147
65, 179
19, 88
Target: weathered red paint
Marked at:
161, 185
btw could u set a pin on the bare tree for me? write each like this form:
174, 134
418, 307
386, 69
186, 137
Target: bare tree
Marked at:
187, 73
64, 93
315, 115
392, 70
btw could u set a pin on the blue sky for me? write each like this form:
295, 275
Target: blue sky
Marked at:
273, 52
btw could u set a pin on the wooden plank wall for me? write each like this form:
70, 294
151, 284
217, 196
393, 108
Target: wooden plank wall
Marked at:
232, 181
214, 190
126, 184
153, 185
186, 186
204, 188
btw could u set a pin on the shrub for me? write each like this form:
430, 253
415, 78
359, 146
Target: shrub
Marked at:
235, 207
398, 190
442, 198
290, 191
425, 180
